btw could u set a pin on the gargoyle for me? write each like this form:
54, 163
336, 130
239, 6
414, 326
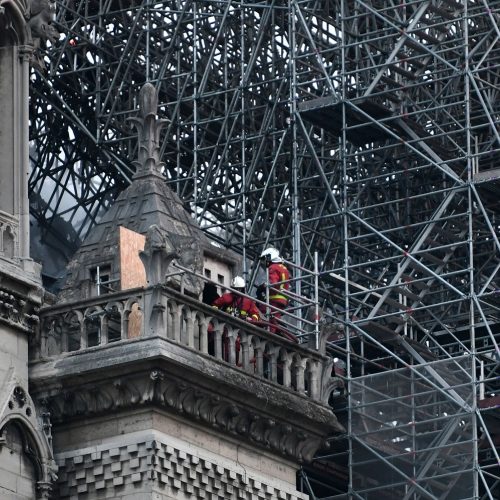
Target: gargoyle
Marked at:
42, 15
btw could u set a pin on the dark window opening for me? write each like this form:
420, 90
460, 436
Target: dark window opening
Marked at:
101, 281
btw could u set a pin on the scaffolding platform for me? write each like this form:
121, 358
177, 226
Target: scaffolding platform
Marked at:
367, 121
326, 113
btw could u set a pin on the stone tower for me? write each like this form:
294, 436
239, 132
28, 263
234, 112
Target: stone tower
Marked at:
148, 395
26, 466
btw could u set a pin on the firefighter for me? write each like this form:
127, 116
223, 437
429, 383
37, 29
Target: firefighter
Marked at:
236, 304
278, 282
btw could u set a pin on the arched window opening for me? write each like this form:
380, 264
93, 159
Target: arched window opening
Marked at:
17, 460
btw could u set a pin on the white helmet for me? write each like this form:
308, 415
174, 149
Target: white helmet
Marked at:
271, 254
238, 282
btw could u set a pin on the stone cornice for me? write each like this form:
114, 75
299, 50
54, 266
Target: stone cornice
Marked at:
214, 375
204, 390
293, 437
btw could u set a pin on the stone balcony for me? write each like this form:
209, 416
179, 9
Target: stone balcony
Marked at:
158, 347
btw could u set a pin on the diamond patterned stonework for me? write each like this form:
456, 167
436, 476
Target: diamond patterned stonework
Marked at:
145, 463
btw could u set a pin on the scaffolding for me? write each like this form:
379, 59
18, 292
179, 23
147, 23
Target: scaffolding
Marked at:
364, 131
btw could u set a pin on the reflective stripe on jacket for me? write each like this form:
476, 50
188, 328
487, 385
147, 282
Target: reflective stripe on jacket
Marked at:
279, 281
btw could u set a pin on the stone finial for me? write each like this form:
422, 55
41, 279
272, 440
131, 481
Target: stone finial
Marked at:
148, 127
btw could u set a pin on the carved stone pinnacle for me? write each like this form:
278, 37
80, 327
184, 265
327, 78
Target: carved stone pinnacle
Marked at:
148, 128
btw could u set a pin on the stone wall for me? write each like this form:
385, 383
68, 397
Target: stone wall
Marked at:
13, 355
150, 455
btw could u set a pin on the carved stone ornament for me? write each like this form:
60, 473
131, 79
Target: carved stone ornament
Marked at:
158, 388
42, 15
18, 312
148, 128
14, 15
18, 407
157, 256
329, 384
161, 249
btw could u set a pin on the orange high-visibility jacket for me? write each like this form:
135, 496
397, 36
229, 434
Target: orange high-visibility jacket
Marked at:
278, 273
242, 307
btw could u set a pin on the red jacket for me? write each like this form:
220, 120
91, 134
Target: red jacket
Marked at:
278, 273
239, 306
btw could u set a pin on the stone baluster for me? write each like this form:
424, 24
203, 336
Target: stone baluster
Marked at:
189, 321
204, 325
299, 375
177, 322
183, 325
148, 308
86, 331
64, 339
83, 336
287, 375
103, 325
198, 320
232, 333
124, 320
124, 323
109, 310
259, 358
218, 334
141, 307
170, 320
314, 380
245, 351
273, 363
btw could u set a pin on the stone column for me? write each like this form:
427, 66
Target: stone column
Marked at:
24, 27
10, 150
20, 282
14, 127
24, 54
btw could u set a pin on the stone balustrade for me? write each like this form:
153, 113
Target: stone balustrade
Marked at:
161, 312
